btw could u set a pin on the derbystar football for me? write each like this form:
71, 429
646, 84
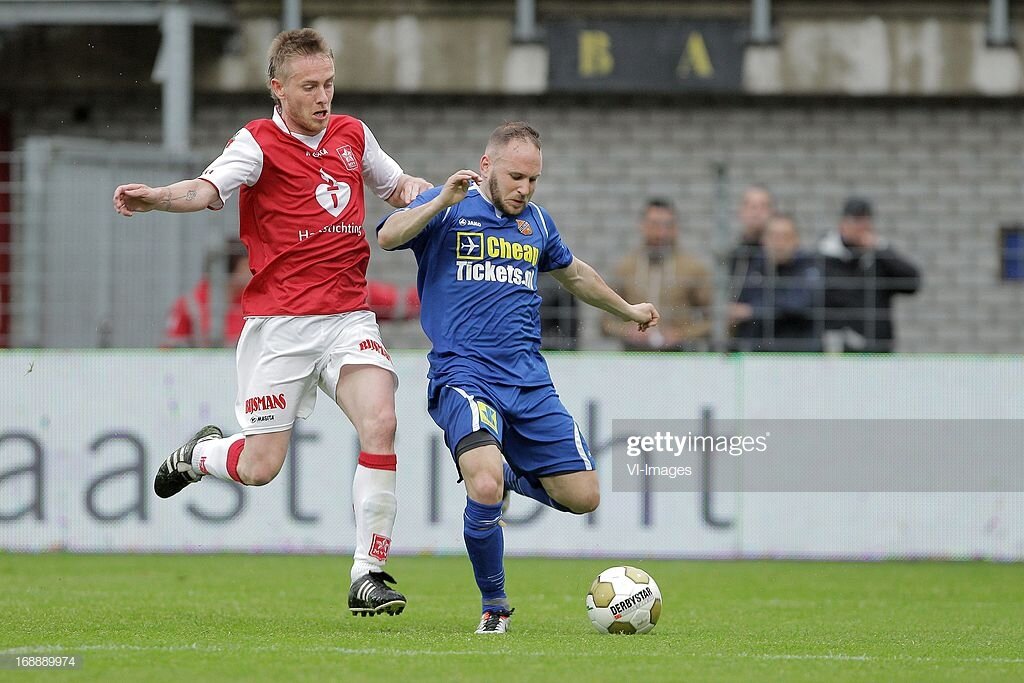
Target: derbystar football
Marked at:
624, 600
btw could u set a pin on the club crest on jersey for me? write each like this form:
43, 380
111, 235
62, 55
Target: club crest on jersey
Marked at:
345, 152
469, 246
524, 227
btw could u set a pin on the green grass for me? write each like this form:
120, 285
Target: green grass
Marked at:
281, 618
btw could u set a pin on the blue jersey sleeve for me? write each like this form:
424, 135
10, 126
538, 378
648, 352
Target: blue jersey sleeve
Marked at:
555, 255
419, 239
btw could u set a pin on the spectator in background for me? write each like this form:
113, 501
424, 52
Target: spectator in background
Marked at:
676, 283
188, 321
756, 208
780, 296
862, 275
390, 302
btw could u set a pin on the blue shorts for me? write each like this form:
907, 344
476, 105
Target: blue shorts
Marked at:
537, 434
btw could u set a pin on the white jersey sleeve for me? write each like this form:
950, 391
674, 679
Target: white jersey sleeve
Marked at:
240, 163
380, 171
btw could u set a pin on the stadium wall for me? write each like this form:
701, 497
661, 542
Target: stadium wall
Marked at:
906, 47
82, 432
944, 176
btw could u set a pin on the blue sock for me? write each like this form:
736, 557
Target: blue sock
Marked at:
486, 546
524, 487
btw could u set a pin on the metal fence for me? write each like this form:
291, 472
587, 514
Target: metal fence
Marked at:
73, 274
81, 276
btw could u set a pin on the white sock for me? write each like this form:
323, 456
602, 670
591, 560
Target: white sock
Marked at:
219, 457
375, 505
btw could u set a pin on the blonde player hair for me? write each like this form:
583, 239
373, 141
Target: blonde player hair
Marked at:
300, 42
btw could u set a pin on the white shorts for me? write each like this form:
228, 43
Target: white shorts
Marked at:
282, 359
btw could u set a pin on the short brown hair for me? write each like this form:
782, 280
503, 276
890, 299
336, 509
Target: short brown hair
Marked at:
300, 42
659, 203
513, 130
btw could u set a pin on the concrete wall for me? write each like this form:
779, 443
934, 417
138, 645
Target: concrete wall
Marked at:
891, 53
828, 47
944, 175
943, 179
876, 55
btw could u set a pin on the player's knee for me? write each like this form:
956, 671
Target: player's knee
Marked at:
586, 502
485, 488
378, 429
258, 472
258, 477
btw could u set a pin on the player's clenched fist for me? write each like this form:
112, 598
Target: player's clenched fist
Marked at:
457, 186
645, 315
134, 197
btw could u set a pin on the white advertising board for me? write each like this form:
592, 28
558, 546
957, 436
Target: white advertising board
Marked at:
82, 433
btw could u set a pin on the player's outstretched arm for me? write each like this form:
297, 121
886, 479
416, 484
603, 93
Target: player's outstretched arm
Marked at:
402, 226
181, 197
408, 188
583, 282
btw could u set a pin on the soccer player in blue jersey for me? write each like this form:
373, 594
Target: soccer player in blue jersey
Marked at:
480, 244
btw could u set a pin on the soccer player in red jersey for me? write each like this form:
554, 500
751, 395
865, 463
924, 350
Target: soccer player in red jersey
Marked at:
300, 177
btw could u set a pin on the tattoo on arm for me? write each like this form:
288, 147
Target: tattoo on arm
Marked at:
189, 196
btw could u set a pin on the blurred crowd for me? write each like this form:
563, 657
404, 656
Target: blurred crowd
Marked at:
192, 321
781, 293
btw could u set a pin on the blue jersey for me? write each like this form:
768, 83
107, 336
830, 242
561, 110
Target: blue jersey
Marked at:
477, 282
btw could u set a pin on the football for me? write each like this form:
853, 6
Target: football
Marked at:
624, 600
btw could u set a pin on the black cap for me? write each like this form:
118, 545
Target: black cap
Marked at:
858, 207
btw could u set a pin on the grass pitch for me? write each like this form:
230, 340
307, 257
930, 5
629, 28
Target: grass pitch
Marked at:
282, 618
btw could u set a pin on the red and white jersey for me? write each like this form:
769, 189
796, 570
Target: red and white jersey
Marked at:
301, 212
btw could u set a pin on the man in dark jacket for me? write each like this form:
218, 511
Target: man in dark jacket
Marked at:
781, 297
755, 210
862, 275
